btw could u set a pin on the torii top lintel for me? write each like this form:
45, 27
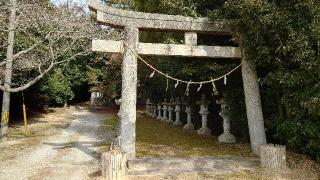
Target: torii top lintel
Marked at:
119, 18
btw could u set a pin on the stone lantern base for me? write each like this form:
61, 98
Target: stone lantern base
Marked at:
204, 131
188, 126
227, 138
177, 123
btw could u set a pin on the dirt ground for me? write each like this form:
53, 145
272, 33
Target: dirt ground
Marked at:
64, 144
67, 143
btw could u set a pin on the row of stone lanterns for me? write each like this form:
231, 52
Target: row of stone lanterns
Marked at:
164, 112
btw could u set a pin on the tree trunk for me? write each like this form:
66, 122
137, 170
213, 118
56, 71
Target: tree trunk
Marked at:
273, 157
8, 72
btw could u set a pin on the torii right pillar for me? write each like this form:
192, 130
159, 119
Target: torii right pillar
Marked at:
253, 106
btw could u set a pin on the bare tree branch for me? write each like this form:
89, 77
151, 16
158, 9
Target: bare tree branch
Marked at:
36, 79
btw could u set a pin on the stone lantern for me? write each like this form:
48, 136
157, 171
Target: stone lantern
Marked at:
177, 109
159, 112
204, 130
170, 110
165, 109
154, 111
148, 107
189, 124
226, 137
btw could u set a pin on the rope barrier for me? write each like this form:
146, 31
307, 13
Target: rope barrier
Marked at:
179, 80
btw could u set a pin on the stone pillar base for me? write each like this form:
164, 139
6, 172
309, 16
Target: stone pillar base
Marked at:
177, 123
188, 126
204, 131
227, 138
168, 121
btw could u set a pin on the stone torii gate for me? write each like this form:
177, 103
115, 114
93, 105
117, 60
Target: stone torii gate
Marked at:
132, 22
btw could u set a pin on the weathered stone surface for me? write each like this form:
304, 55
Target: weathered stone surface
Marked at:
154, 110
204, 130
169, 49
253, 107
159, 112
170, 110
226, 137
115, 17
177, 109
189, 124
129, 94
148, 107
190, 38
165, 109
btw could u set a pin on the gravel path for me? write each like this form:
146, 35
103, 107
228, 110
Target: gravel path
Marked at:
71, 154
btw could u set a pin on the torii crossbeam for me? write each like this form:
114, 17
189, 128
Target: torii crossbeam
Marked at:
132, 22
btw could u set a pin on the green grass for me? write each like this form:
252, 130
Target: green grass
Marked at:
110, 123
158, 139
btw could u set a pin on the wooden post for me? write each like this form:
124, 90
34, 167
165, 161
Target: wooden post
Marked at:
273, 157
25, 120
113, 164
129, 93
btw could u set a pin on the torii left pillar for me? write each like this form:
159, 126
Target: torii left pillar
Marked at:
129, 93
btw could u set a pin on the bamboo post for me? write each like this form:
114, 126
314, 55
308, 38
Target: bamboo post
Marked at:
273, 157
25, 120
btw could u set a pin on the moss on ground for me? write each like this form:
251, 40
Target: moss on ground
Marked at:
155, 138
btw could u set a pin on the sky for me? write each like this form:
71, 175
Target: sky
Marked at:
81, 2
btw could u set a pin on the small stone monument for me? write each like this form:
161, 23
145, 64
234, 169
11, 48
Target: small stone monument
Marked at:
159, 112
177, 109
189, 124
148, 107
170, 110
154, 111
96, 98
226, 137
165, 109
204, 130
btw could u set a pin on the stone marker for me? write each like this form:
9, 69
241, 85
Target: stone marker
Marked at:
177, 109
189, 124
204, 130
148, 107
159, 112
154, 109
165, 109
226, 137
170, 110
